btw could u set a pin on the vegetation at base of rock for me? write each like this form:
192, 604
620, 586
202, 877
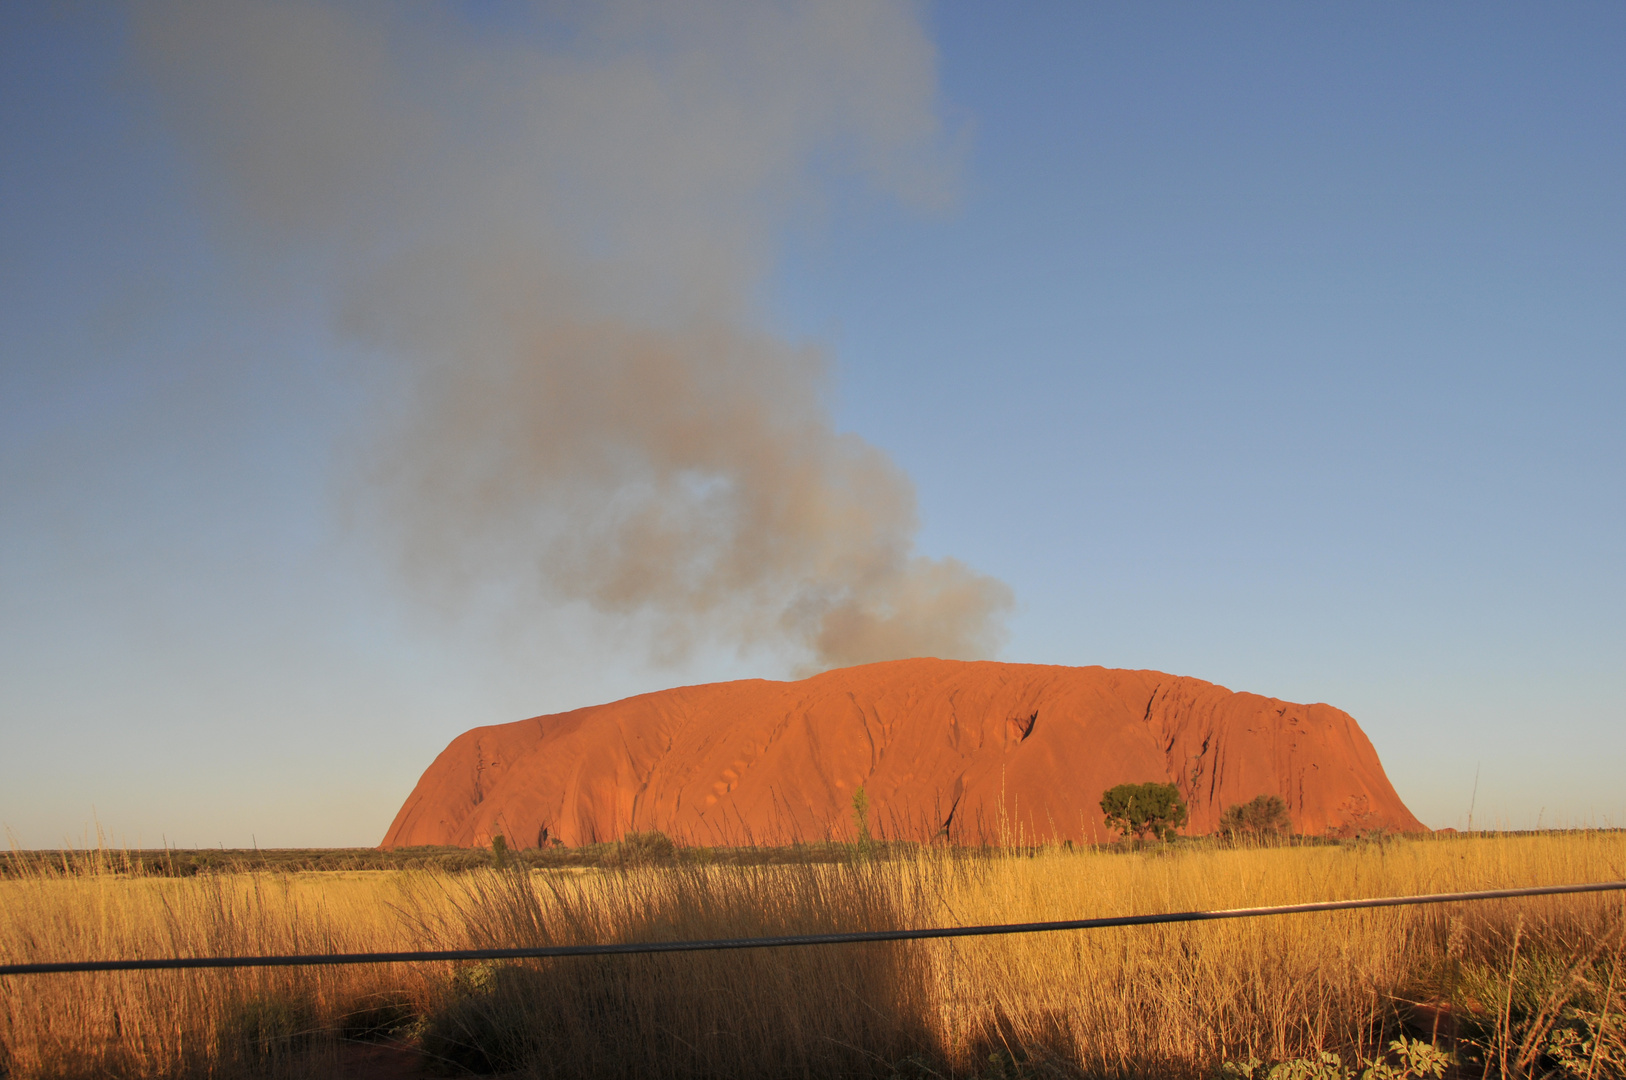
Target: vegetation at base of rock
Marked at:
1262, 816
643, 849
1515, 989
1144, 809
184, 863
445, 860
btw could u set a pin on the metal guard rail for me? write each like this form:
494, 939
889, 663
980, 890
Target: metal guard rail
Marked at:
634, 948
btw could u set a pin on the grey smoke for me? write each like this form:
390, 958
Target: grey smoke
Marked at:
557, 226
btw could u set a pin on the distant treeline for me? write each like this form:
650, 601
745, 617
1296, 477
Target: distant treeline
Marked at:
642, 848
638, 849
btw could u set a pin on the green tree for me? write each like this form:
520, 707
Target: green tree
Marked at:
1264, 815
499, 852
1144, 809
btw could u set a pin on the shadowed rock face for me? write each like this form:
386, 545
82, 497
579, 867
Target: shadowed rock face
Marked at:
977, 751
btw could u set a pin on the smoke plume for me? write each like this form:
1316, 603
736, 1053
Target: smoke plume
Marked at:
557, 227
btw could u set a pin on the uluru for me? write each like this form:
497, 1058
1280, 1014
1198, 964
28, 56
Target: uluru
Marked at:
969, 752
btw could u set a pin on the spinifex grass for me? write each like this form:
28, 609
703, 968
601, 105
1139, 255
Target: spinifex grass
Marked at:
1150, 1001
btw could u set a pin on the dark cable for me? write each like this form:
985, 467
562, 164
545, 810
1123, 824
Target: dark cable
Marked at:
781, 942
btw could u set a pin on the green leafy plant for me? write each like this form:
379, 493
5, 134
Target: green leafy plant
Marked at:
1144, 809
499, 852
1324, 1066
1413, 1059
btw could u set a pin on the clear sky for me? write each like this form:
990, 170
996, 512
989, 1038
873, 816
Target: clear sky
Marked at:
368, 374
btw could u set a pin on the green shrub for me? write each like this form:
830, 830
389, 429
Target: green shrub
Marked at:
1407, 1059
1142, 809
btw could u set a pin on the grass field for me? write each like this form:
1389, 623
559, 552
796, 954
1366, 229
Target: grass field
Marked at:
161, 862
1524, 988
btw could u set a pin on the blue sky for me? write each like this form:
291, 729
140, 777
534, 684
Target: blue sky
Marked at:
1279, 346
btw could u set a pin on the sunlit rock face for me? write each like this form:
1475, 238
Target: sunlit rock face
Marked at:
967, 752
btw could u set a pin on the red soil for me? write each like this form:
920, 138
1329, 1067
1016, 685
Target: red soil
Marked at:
977, 751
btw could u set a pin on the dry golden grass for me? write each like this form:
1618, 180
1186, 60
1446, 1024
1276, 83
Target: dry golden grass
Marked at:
1149, 1001
174, 1022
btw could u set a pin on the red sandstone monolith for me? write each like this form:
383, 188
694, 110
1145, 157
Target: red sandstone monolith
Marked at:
969, 752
